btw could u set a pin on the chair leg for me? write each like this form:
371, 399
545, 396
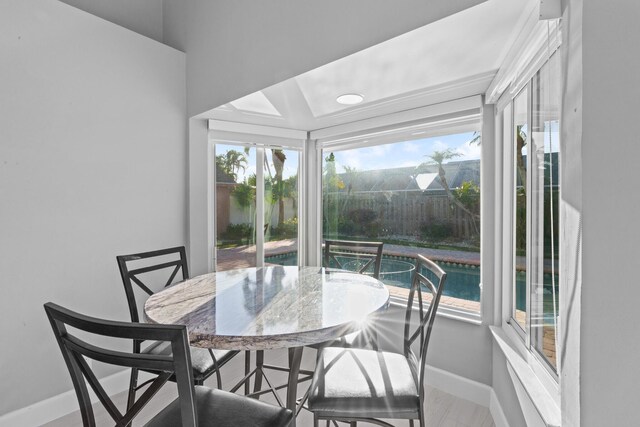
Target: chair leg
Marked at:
411, 423
217, 369
247, 369
133, 383
219, 378
257, 383
316, 420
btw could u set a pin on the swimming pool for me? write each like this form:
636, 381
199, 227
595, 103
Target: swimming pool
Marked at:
463, 280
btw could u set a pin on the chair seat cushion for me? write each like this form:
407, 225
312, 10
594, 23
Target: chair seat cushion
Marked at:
201, 360
364, 383
220, 408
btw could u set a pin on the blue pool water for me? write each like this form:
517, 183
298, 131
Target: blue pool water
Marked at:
463, 280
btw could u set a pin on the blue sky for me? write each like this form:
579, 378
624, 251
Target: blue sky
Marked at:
403, 154
397, 154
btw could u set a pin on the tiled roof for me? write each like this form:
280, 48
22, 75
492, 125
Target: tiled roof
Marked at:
421, 178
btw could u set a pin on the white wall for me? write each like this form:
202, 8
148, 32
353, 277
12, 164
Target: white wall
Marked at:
142, 16
237, 47
609, 368
92, 164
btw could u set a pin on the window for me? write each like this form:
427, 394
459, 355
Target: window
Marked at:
520, 136
256, 188
545, 188
535, 226
417, 195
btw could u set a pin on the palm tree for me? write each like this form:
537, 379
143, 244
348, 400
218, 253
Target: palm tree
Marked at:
234, 161
231, 162
440, 157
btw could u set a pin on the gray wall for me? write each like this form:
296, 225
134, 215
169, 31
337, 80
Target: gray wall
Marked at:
238, 47
609, 368
92, 164
142, 16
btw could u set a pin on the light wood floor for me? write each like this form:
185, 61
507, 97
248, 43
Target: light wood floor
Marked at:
441, 409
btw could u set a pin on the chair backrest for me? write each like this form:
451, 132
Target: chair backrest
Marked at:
76, 351
354, 256
430, 276
131, 276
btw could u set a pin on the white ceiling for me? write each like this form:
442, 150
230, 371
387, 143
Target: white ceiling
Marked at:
455, 57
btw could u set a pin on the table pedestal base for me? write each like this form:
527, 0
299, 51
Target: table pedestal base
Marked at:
259, 372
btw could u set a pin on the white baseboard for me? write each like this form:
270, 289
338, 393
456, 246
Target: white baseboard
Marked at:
65, 403
464, 388
458, 386
499, 419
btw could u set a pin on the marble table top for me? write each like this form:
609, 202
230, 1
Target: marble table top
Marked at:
268, 307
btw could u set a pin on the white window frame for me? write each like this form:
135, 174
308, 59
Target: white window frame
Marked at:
542, 43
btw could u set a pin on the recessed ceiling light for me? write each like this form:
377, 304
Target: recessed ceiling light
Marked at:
350, 99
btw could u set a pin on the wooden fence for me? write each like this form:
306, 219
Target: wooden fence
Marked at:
405, 213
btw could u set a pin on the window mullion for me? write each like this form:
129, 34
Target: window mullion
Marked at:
530, 214
259, 207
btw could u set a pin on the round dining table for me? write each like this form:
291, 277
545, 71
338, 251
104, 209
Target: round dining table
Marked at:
272, 307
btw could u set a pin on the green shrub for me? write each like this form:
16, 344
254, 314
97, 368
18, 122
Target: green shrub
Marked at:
237, 232
288, 229
436, 231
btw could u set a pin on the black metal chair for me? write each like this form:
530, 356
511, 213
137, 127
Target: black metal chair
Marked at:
195, 405
361, 257
205, 362
364, 385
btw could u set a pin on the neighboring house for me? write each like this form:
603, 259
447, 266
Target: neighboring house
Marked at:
224, 188
405, 200
423, 178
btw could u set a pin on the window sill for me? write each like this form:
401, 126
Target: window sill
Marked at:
452, 308
538, 406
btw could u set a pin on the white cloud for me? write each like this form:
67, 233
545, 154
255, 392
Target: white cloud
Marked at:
350, 158
381, 150
439, 145
469, 151
412, 147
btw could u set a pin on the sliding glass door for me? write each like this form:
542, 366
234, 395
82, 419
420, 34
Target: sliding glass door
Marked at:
256, 205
